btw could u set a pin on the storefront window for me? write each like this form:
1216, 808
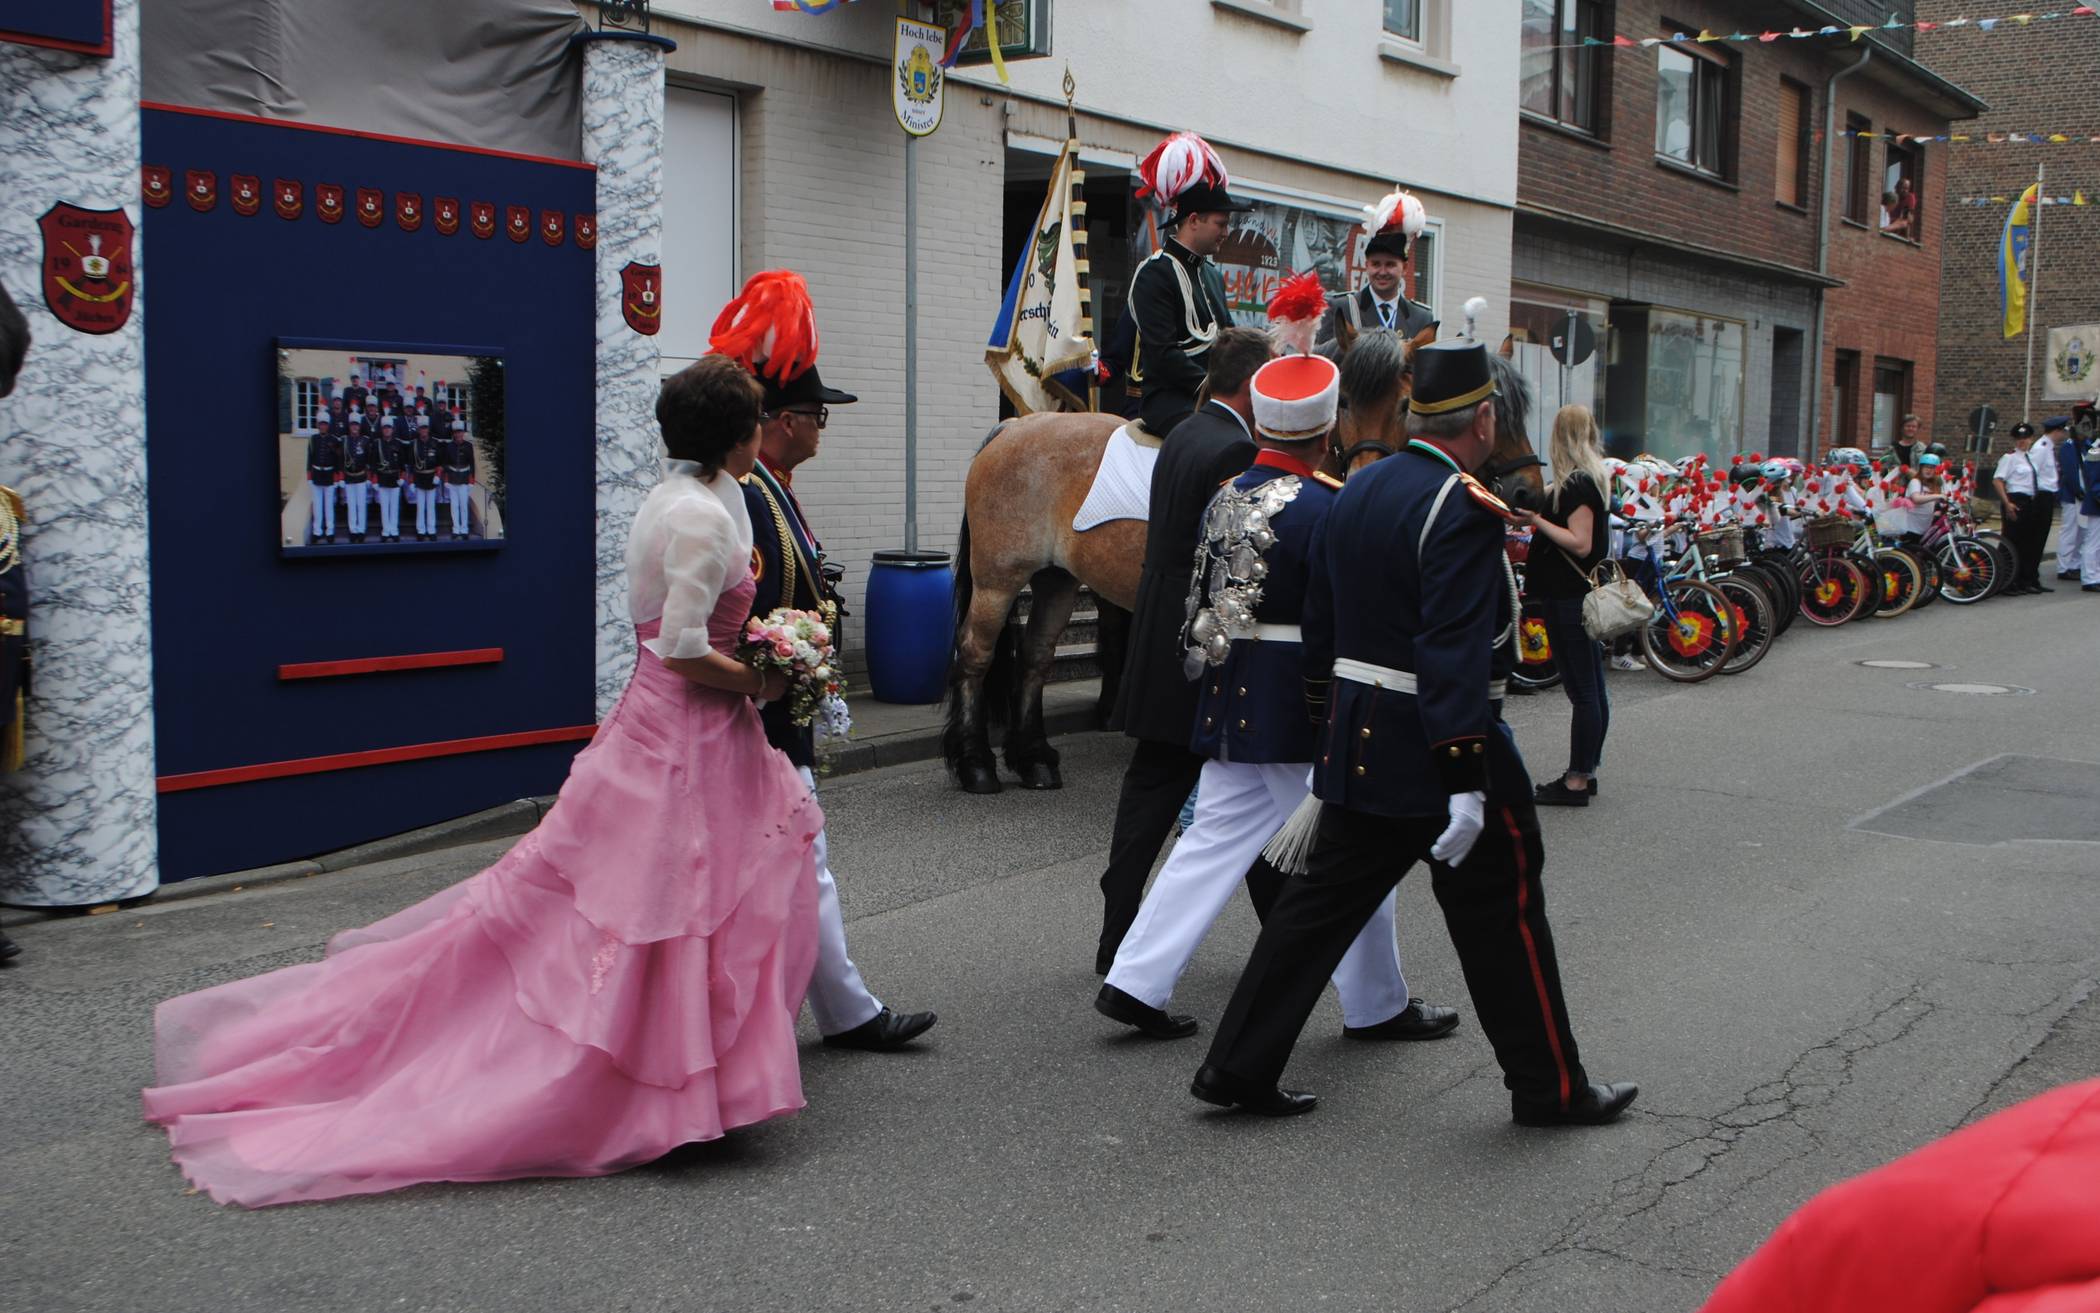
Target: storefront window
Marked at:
1695, 385
1557, 342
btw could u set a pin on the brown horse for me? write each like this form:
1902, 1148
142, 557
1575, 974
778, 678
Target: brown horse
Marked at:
1024, 487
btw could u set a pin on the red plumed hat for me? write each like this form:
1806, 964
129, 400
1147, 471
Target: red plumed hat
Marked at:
770, 328
1296, 310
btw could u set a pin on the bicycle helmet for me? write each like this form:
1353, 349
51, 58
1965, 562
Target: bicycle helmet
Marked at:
1849, 456
1776, 471
1745, 475
1928, 461
1938, 449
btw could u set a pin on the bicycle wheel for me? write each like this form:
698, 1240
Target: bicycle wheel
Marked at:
1756, 626
1897, 580
1968, 571
1536, 666
1781, 588
1929, 583
1832, 589
1691, 634
2007, 560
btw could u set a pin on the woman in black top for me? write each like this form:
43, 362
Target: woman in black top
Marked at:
1568, 540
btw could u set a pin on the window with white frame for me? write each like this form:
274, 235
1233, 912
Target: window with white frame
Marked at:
1403, 19
306, 404
452, 396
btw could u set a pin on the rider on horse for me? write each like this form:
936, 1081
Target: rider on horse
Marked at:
1393, 222
1177, 296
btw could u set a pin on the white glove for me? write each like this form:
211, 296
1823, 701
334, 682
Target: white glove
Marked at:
1468, 818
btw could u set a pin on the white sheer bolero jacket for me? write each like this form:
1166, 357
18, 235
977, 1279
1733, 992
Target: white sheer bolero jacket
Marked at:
691, 542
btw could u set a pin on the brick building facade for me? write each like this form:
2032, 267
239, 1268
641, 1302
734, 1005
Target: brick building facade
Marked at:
1669, 199
2036, 79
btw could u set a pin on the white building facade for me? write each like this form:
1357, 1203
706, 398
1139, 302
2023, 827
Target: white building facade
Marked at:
781, 149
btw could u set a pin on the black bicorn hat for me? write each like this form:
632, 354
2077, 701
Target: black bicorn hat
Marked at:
1450, 376
2022, 430
1203, 197
804, 389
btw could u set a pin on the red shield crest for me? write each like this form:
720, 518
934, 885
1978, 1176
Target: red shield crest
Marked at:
408, 210
328, 202
371, 206
157, 185
87, 267
201, 186
446, 215
290, 198
481, 216
551, 227
586, 230
517, 221
247, 193
641, 297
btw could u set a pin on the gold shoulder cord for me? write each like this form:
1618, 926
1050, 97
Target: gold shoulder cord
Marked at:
787, 544
13, 743
10, 530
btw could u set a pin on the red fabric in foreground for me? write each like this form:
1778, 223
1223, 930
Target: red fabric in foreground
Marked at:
2002, 1217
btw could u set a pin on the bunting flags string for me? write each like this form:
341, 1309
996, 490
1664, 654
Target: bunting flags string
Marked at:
2077, 198
1850, 32
1974, 138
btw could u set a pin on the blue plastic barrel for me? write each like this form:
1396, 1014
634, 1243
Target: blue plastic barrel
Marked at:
911, 625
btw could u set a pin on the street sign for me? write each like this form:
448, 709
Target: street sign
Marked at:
916, 96
1983, 421
1573, 341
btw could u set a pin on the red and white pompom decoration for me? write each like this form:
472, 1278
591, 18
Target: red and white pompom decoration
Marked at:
1295, 312
770, 328
1179, 163
1396, 211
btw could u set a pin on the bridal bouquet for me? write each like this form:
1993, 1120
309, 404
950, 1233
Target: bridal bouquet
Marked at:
798, 644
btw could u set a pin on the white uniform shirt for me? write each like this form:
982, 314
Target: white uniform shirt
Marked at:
1379, 310
2021, 472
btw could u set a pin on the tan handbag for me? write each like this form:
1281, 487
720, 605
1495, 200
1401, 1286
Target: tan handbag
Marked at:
1615, 605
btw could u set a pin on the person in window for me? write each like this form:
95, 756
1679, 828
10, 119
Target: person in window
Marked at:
1903, 210
1570, 539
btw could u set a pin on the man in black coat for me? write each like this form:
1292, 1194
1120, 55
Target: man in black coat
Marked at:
1157, 704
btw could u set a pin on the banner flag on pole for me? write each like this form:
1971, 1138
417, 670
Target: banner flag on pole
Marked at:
1042, 330
2070, 373
2012, 260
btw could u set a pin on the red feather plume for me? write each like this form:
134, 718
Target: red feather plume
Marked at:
1301, 297
770, 328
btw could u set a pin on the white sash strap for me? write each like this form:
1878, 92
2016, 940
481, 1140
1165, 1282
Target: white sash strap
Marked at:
1400, 681
1278, 634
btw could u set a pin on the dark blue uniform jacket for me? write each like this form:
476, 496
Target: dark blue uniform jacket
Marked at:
785, 557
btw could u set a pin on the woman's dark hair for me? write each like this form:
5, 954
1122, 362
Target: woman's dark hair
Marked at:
708, 408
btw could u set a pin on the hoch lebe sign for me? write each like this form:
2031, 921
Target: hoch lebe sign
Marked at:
920, 80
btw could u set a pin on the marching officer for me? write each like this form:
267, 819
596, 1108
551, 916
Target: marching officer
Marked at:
324, 467
1394, 223
1415, 765
1251, 726
389, 453
357, 476
459, 476
2069, 454
788, 564
1177, 296
426, 454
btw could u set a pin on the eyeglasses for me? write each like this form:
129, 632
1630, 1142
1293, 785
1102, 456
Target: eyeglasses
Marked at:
820, 416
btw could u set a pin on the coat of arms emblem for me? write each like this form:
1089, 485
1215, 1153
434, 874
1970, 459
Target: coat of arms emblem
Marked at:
156, 184
201, 188
87, 267
481, 215
586, 230
247, 195
291, 199
517, 221
408, 210
2074, 364
641, 297
328, 202
445, 214
551, 227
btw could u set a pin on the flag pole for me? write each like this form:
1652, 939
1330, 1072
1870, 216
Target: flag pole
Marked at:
2034, 288
1079, 237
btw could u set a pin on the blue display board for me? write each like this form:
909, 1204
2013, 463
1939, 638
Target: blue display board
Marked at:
265, 713
82, 26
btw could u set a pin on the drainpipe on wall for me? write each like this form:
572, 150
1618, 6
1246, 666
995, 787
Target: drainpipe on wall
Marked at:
1815, 390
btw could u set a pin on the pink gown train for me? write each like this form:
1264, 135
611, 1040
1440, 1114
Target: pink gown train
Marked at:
623, 981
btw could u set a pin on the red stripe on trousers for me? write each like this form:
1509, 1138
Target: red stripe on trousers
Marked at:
1531, 954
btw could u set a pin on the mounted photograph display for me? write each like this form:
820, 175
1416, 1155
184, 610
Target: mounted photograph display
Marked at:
384, 448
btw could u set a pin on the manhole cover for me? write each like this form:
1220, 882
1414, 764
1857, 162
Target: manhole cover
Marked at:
1899, 665
1986, 690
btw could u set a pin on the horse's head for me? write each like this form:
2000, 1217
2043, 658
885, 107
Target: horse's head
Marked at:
1513, 467
1377, 375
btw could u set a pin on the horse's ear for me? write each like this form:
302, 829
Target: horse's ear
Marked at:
1344, 334
1422, 339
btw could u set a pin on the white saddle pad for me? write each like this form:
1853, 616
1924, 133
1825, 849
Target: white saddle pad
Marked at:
1122, 486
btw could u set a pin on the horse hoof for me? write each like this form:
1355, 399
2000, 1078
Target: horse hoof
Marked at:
976, 777
1040, 775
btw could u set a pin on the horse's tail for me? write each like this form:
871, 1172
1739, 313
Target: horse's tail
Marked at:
999, 679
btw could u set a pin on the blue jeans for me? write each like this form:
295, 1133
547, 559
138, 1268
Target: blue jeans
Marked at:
1581, 660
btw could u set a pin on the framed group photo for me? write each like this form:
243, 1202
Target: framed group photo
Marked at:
384, 448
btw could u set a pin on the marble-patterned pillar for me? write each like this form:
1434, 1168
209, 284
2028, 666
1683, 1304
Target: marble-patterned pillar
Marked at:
77, 822
623, 135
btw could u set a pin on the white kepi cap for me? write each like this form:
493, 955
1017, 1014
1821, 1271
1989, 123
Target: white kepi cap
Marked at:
1295, 397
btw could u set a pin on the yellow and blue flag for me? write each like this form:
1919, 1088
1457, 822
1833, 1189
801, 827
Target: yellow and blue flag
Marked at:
2013, 250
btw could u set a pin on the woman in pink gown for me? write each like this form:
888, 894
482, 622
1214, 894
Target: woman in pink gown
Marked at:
625, 980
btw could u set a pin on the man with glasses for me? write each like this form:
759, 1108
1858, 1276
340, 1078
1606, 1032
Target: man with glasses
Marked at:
788, 562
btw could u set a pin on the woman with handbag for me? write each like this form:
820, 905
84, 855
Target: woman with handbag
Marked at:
1574, 525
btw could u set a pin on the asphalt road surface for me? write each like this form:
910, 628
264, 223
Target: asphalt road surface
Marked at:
1825, 916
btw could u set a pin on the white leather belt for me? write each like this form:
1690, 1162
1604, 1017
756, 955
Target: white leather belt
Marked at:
1400, 681
1279, 634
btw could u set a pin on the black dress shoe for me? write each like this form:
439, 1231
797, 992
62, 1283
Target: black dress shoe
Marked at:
1116, 1005
1593, 1105
2067, 574
1556, 793
884, 1031
1418, 1020
8, 948
1229, 1091
2040, 588
1104, 958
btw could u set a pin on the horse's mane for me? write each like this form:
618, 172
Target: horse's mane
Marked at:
1512, 403
1374, 365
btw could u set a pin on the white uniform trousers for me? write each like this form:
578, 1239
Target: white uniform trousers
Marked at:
324, 510
2070, 539
838, 998
354, 497
2089, 530
456, 493
389, 511
1239, 807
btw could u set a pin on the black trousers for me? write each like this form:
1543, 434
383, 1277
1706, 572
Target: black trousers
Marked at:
1495, 912
1155, 784
2029, 535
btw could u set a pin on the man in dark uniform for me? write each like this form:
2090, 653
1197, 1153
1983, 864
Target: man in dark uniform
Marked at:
459, 477
426, 454
357, 477
335, 421
1415, 765
1156, 702
389, 454
1394, 223
354, 396
1177, 296
324, 468
788, 562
